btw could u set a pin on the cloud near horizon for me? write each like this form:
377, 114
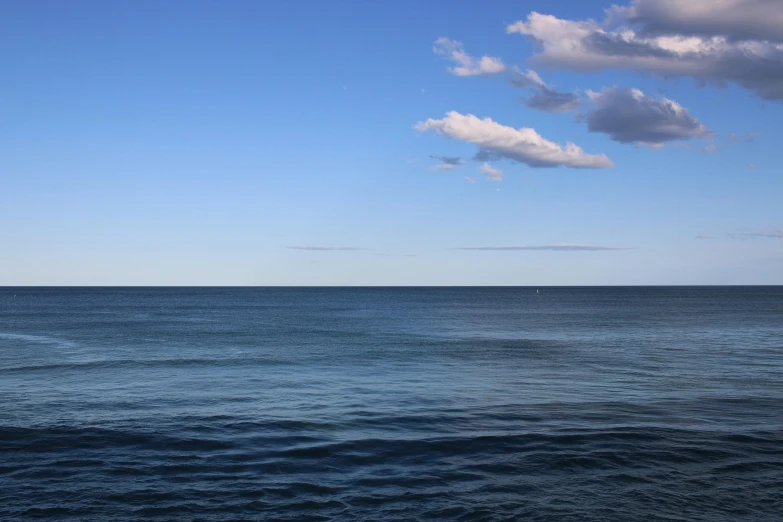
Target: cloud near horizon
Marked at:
323, 248
524, 145
775, 234
466, 65
737, 41
560, 247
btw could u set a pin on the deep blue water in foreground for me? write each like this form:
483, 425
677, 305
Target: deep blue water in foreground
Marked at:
391, 404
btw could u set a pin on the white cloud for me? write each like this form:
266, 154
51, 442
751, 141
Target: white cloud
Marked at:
466, 65
754, 63
630, 116
490, 172
647, 145
753, 165
524, 145
469, 179
560, 247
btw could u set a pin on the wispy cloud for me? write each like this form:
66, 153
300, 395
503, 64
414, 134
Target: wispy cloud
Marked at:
545, 97
469, 179
751, 136
753, 165
704, 237
560, 247
491, 172
446, 162
466, 65
529, 78
748, 137
774, 234
322, 248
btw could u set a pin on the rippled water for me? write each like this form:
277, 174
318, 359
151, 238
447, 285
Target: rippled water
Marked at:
391, 404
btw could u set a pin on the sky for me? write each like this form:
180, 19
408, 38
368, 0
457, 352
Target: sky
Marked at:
444, 142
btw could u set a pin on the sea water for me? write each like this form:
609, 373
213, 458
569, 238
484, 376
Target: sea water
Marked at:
388, 404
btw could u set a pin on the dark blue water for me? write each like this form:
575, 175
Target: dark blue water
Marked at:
391, 404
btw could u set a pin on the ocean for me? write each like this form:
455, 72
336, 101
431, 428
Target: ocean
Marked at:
310, 404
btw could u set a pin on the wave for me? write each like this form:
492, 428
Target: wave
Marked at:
288, 441
253, 472
38, 339
144, 363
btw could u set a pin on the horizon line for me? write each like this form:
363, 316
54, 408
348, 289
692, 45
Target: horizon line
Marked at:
400, 286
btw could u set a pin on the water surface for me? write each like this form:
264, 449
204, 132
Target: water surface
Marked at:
391, 403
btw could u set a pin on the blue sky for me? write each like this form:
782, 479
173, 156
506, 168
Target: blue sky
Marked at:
196, 143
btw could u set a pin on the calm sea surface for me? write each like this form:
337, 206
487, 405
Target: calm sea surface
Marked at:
391, 404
